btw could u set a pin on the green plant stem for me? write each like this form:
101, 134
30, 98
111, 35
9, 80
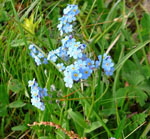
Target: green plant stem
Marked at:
97, 116
102, 94
147, 129
19, 24
89, 12
140, 37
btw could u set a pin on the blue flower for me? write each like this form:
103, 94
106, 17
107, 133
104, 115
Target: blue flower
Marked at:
39, 57
65, 40
31, 82
42, 92
65, 25
68, 79
76, 75
80, 63
67, 28
86, 72
109, 72
107, 64
75, 53
52, 56
90, 63
60, 66
37, 94
37, 103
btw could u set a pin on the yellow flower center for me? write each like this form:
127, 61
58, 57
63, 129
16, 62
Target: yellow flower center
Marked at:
75, 74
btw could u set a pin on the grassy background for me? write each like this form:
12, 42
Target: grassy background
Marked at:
100, 107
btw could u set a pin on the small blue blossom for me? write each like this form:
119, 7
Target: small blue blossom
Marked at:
75, 53
80, 63
76, 75
37, 94
31, 82
68, 79
107, 64
67, 28
60, 66
39, 57
86, 72
52, 56
90, 63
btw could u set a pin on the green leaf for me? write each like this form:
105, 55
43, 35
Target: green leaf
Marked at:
141, 96
15, 85
145, 26
3, 16
120, 128
17, 104
17, 43
44, 137
19, 128
94, 126
133, 74
4, 100
137, 120
60, 134
121, 95
145, 22
78, 118
127, 56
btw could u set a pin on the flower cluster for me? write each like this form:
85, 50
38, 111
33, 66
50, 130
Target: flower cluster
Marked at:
38, 56
65, 25
37, 94
70, 50
73, 49
107, 64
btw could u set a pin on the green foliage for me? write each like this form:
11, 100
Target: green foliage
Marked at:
137, 119
145, 31
136, 78
99, 107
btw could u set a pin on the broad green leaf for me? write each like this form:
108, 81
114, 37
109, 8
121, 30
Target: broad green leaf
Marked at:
94, 126
141, 96
17, 43
78, 118
132, 74
145, 21
19, 128
145, 24
17, 104
15, 85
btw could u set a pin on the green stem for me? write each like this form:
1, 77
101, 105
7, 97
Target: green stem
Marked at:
102, 94
140, 37
97, 116
89, 12
147, 129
